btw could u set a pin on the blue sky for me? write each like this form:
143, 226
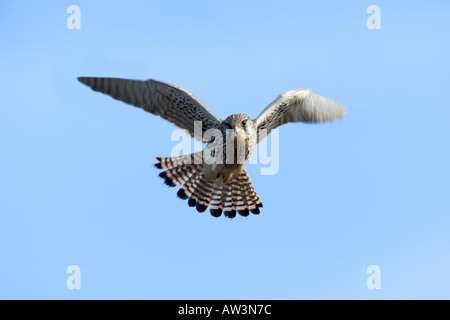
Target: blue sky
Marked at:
78, 188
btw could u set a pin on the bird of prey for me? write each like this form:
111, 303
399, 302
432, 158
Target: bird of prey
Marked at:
212, 178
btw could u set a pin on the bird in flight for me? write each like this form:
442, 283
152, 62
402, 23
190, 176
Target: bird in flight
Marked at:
216, 177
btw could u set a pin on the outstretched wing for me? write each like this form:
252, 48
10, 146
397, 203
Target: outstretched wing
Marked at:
300, 105
165, 100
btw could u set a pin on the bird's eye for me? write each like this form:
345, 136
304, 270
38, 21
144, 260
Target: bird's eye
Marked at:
227, 125
244, 123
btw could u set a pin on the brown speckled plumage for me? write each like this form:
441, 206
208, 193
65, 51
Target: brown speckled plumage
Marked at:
223, 186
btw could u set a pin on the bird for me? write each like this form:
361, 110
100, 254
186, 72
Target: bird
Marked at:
216, 176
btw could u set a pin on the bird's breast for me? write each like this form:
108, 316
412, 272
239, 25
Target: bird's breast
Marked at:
223, 161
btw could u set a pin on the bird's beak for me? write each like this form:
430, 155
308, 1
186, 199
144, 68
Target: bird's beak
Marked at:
237, 128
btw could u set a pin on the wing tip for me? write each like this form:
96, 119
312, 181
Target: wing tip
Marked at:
345, 111
82, 79
88, 81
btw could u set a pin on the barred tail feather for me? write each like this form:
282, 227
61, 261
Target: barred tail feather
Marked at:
202, 193
169, 163
252, 199
244, 211
216, 206
236, 196
227, 201
178, 175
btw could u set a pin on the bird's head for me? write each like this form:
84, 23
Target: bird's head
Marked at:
240, 123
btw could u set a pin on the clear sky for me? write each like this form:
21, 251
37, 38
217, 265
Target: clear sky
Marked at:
77, 185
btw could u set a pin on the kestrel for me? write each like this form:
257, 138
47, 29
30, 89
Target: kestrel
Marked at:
216, 177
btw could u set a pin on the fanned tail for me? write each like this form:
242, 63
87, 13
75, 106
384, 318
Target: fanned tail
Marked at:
236, 196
